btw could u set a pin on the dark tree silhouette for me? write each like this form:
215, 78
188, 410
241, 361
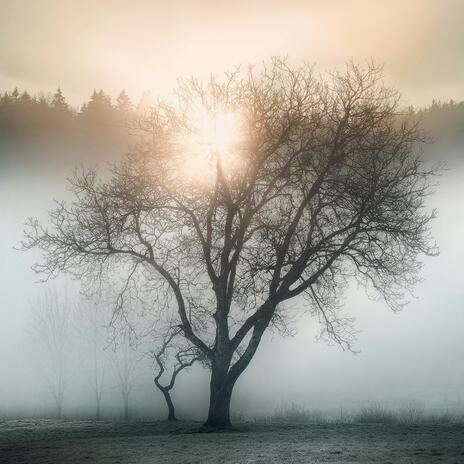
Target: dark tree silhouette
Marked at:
185, 357
59, 101
322, 183
98, 113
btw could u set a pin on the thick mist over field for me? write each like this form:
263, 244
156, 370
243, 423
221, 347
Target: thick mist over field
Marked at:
410, 357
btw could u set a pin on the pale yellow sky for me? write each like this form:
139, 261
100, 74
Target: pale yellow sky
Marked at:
138, 44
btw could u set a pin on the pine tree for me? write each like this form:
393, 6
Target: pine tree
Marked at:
98, 107
5, 100
123, 103
15, 94
25, 98
59, 101
145, 103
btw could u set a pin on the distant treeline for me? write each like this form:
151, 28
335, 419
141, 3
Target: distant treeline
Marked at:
26, 115
31, 125
46, 128
443, 121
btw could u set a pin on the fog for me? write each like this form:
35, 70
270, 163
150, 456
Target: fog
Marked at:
412, 356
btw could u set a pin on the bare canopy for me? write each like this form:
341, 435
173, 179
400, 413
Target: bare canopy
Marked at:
297, 185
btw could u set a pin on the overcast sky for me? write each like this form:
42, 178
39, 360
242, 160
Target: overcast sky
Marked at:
147, 44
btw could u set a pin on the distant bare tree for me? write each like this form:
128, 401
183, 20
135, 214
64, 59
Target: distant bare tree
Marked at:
126, 360
90, 322
51, 331
321, 183
184, 357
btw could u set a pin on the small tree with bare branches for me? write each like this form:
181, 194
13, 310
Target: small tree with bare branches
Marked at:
91, 327
126, 360
184, 356
51, 330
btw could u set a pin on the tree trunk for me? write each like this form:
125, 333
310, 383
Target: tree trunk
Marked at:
97, 412
224, 376
219, 408
59, 410
126, 408
220, 396
170, 405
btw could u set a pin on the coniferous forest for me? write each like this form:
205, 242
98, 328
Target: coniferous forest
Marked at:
45, 127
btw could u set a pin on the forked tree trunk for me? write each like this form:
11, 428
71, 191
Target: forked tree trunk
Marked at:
224, 376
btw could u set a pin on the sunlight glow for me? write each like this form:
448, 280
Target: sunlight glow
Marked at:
213, 138
218, 131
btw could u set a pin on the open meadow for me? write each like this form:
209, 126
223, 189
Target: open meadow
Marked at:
43, 441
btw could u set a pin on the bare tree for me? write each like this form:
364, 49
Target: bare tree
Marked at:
90, 322
126, 361
184, 357
266, 187
51, 329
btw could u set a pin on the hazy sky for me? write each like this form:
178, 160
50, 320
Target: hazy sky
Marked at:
81, 45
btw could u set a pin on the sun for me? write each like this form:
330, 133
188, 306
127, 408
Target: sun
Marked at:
218, 131
212, 139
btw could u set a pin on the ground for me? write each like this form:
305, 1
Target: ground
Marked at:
40, 442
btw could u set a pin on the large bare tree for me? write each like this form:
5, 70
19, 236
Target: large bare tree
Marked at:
267, 186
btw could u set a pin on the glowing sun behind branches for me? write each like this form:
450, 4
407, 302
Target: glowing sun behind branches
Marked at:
211, 141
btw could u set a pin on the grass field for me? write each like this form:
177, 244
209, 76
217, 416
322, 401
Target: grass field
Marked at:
63, 442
